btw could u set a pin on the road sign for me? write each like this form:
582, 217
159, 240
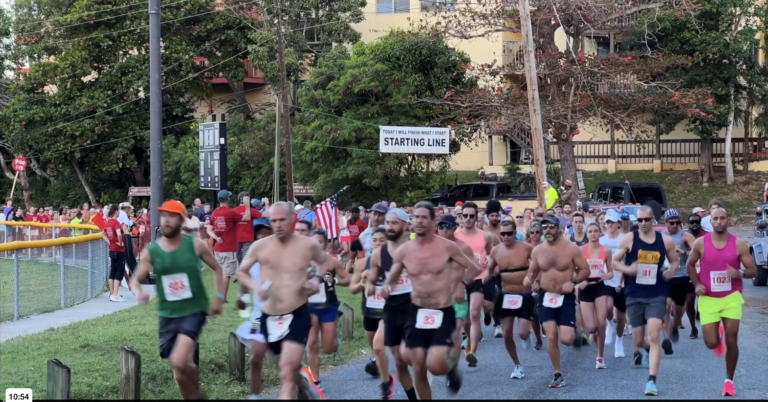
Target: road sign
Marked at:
213, 155
298, 189
139, 191
19, 164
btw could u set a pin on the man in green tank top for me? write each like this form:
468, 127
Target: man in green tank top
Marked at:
182, 301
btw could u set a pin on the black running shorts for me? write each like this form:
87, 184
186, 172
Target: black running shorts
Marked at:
170, 328
419, 337
298, 329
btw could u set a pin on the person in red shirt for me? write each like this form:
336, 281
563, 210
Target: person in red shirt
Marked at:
33, 231
45, 217
113, 235
222, 228
245, 229
355, 226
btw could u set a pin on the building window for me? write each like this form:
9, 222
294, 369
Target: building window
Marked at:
438, 5
393, 6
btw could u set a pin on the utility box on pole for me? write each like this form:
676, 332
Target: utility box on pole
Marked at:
213, 155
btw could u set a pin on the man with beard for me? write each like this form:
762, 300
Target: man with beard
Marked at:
562, 266
515, 300
182, 300
493, 212
435, 266
396, 305
681, 290
376, 219
481, 297
719, 285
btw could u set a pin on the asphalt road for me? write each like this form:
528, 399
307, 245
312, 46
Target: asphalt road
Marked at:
693, 372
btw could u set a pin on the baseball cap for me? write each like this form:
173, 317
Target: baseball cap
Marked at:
545, 184
612, 216
398, 213
298, 208
508, 209
261, 222
671, 214
447, 222
124, 205
224, 194
380, 208
551, 219
459, 203
697, 210
256, 203
568, 183
174, 207
624, 216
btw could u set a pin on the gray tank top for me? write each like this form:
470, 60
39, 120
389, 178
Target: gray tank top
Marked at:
679, 243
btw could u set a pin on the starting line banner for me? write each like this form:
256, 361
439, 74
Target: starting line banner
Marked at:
414, 140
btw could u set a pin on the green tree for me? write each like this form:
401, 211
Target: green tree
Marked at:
351, 94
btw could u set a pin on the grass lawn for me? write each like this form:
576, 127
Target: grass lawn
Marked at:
92, 351
39, 287
685, 193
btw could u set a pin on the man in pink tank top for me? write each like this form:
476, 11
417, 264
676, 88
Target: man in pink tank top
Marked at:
480, 296
719, 285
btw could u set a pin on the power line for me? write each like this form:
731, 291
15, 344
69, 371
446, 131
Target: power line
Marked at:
85, 13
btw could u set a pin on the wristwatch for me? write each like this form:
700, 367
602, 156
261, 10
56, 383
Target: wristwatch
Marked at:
220, 295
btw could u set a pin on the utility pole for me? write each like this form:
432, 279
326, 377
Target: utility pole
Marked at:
276, 174
534, 107
284, 104
155, 116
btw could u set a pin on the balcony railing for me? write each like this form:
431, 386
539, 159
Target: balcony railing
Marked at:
252, 75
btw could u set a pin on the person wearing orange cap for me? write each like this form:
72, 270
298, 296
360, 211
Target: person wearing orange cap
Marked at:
568, 195
182, 300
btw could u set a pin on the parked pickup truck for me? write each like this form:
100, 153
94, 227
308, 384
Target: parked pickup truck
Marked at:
759, 246
618, 193
482, 192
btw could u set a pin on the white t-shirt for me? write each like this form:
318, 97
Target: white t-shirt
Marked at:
344, 232
246, 329
192, 227
706, 224
612, 244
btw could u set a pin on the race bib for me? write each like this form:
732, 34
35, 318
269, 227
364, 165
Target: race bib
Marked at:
512, 302
553, 300
403, 286
595, 268
376, 301
319, 297
646, 274
176, 287
278, 327
721, 282
429, 319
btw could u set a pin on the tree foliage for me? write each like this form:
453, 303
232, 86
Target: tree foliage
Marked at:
352, 93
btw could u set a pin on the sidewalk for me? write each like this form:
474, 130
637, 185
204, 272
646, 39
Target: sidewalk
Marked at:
94, 308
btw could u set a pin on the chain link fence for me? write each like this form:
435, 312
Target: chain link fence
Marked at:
39, 278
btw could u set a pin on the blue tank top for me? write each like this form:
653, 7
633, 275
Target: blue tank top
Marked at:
650, 258
679, 244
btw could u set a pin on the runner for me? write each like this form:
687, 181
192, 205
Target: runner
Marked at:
646, 287
395, 307
377, 216
481, 297
594, 294
286, 319
435, 266
324, 307
493, 211
719, 286
515, 300
680, 290
182, 300
249, 332
373, 307
616, 312
533, 237
557, 260
446, 228
579, 237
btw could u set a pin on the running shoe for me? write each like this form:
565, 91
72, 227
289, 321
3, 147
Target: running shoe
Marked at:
720, 349
498, 332
464, 343
667, 346
557, 382
694, 333
306, 386
539, 345
454, 380
650, 388
618, 348
638, 359
388, 390
487, 319
675, 336
600, 363
471, 359
372, 369
518, 373
610, 332
646, 358
728, 388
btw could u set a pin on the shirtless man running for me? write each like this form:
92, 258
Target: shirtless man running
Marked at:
558, 260
435, 266
515, 300
285, 288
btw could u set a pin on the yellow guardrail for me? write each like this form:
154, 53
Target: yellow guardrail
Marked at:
64, 241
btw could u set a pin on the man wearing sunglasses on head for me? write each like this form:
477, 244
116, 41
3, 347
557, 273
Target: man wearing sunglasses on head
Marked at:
510, 261
646, 287
562, 266
680, 291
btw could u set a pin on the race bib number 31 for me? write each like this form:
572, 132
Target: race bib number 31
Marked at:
403, 286
553, 300
376, 301
429, 319
278, 327
721, 282
176, 287
512, 302
646, 274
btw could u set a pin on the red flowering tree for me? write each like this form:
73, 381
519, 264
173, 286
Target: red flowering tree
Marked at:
624, 90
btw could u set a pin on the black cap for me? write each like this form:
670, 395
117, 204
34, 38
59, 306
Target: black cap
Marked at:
449, 221
551, 219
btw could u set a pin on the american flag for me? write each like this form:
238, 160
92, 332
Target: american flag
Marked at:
328, 216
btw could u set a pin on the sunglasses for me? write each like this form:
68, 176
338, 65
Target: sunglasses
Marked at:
507, 234
694, 222
643, 220
519, 217
676, 223
466, 216
539, 215
547, 226
535, 233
